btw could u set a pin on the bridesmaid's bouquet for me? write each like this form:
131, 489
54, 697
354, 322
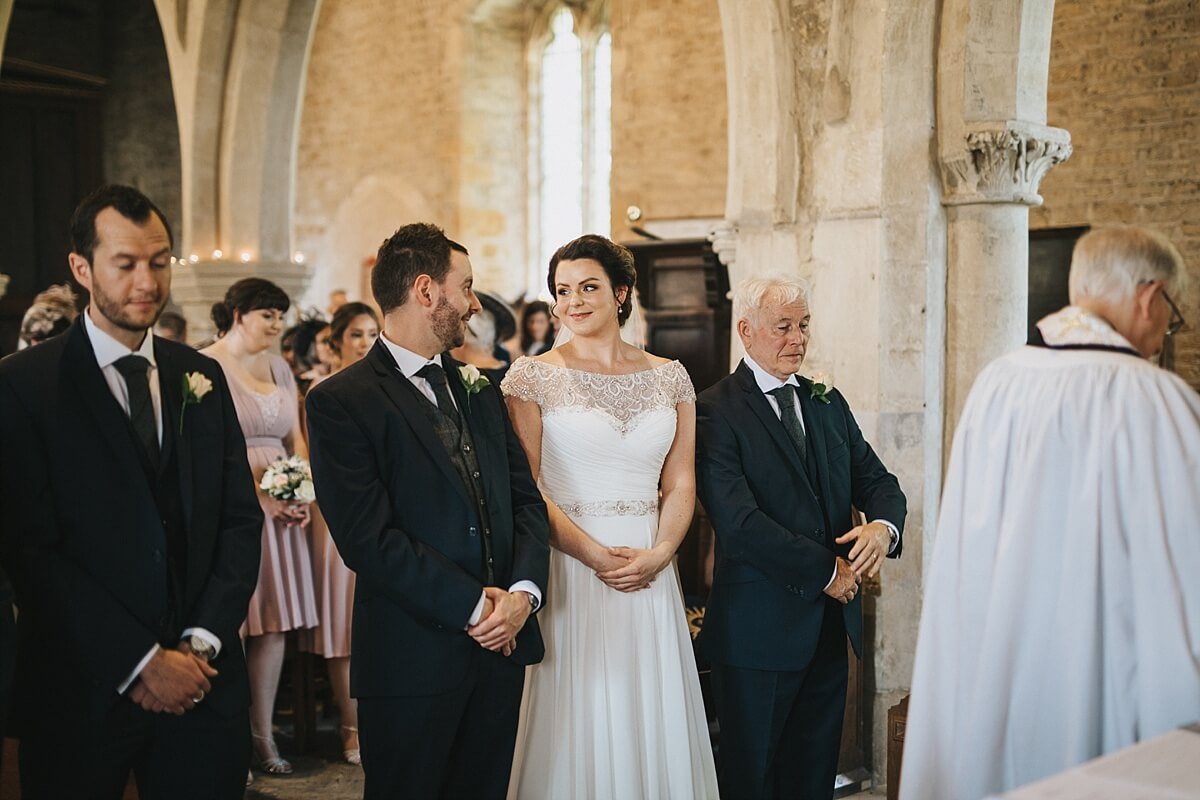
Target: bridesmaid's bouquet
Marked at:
289, 479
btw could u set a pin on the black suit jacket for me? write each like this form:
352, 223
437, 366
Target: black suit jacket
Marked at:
82, 540
775, 522
403, 520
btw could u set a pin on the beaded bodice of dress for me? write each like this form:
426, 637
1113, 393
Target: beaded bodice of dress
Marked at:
604, 437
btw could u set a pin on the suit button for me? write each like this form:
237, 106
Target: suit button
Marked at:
490, 562
466, 448
819, 532
473, 531
164, 522
482, 502
157, 556
487, 531
475, 474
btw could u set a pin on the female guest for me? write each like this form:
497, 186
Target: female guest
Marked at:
249, 320
353, 332
52, 313
479, 345
615, 708
537, 332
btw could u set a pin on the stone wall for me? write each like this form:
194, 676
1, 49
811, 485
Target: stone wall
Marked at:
415, 111
379, 139
669, 111
1125, 81
141, 134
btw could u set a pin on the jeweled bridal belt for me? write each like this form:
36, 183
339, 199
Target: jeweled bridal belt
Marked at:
610, 508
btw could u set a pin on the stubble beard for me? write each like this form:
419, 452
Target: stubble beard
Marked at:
115, 313
447, 325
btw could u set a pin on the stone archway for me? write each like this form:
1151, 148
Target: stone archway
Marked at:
238, 70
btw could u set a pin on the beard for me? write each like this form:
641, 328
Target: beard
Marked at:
116, 313
448, 324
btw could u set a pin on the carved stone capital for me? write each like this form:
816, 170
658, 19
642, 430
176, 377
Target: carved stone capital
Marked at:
1002, 162
723, 237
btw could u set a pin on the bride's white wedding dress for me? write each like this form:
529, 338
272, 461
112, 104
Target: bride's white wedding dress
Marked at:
614, 710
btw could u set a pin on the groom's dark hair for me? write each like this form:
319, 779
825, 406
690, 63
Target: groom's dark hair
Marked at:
416, 249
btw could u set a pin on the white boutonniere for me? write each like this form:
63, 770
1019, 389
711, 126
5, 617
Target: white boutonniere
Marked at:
473, 381
195, 386
821, 384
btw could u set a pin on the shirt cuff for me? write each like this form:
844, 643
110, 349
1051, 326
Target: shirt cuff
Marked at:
206, 636
532, 589
138, 670
478, 612
832, 577
894, 531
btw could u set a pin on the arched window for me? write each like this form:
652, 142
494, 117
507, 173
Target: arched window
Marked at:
572, 133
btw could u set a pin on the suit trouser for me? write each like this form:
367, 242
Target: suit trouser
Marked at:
202, 754
781, 731
446, 746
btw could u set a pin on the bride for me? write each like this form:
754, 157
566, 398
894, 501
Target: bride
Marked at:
615, 708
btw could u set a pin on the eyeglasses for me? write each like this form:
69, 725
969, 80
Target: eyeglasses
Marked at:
1177, 322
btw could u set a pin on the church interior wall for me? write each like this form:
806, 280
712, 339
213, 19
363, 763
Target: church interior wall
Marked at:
448, 139
669, 110
1124, 79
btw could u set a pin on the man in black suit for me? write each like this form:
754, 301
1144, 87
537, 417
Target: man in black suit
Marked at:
430, 500
780, 462
130, 530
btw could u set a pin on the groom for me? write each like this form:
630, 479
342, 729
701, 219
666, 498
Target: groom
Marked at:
780, 461
429, 498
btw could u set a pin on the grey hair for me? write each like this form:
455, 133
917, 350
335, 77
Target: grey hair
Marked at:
1110, 263
482, 329
753, 293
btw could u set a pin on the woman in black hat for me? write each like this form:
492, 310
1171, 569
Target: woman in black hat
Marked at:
493, 324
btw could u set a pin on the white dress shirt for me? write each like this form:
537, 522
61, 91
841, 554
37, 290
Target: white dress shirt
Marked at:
409, 364
767, 383
108, 351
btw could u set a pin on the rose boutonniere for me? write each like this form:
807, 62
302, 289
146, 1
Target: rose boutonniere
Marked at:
821, 384
195, 386
473, 381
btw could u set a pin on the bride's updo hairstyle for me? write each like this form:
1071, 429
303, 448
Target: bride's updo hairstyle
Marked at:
616, 260
248, 294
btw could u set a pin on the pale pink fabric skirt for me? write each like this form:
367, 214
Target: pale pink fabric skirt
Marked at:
333, 582
284, 599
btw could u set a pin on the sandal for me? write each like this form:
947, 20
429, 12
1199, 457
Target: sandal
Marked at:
272, 763
352, 754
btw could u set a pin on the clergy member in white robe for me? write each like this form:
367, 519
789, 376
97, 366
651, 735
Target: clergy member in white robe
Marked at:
1062, 607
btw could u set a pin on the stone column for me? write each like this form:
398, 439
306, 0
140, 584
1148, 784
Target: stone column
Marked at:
195, 286
989, 182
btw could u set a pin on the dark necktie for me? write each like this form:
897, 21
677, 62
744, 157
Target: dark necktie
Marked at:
437, 379
786, 397
134, 369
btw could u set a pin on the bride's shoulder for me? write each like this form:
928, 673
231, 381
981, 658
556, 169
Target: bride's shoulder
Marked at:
674, 378
525, 379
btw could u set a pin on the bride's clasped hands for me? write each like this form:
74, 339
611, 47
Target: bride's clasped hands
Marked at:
628, 569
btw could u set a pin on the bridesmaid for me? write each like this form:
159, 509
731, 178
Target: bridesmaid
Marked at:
249, 321
352, 333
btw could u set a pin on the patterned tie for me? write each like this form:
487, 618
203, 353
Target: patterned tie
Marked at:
134, 369
786, 397
437, 379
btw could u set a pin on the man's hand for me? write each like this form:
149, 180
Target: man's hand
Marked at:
871, 544
176, 681
639, 569
507, 617
845, 582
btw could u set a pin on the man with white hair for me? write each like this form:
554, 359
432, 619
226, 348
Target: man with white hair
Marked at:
1062, 617
780, 461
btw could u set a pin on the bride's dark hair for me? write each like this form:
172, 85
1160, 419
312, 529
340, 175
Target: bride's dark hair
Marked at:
616, 260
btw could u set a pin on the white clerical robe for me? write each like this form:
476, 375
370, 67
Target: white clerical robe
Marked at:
1062, 605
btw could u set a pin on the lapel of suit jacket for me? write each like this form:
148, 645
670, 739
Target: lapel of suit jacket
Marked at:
766, 415
408, 403
170, 386
473, 409
97, 398
815, 421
